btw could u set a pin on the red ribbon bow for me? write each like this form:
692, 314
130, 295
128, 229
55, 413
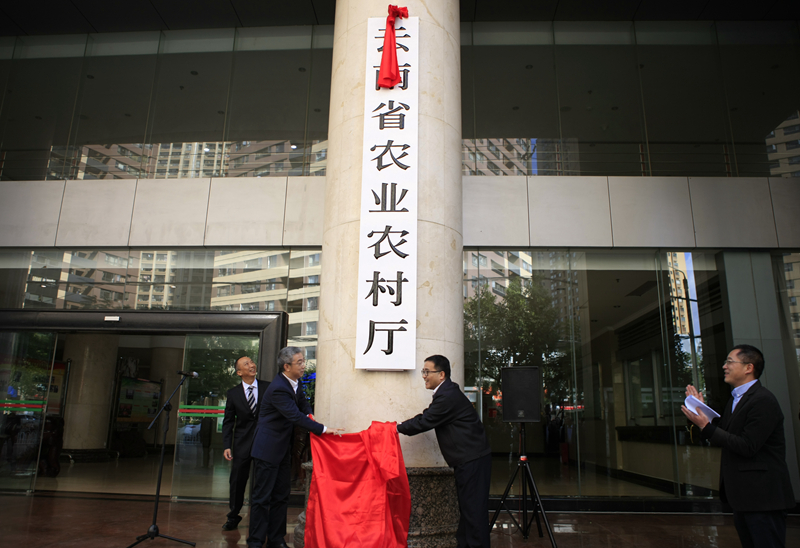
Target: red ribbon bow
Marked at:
389, 75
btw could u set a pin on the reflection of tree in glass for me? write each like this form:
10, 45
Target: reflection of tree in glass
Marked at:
213, 358
521, 328
29, 371
310, 383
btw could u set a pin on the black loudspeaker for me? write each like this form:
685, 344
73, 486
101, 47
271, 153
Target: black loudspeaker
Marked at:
521, 388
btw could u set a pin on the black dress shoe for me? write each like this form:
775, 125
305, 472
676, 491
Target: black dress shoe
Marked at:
230, 525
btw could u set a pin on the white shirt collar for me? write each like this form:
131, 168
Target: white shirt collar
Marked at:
739, 391
438, 387
293, 383
254, 385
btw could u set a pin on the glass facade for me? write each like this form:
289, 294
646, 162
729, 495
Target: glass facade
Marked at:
184, 103
617, 336
267, 280
697, 98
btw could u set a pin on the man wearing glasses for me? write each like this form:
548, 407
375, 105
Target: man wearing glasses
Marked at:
283, 407
754, 478
464, 446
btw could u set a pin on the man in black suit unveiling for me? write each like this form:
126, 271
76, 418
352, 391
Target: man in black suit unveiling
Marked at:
284, 407
238, 431
464, 446
754, 478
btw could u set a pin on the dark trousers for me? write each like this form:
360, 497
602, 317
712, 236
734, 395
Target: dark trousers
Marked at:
269, 501
240, 473
762, 529
472, 487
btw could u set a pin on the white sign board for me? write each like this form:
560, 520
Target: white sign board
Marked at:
386, 331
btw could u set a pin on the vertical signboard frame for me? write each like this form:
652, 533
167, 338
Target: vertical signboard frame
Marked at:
387, 265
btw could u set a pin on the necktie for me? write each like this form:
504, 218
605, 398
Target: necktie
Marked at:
251, 400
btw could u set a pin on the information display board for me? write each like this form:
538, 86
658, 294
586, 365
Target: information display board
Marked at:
138, 400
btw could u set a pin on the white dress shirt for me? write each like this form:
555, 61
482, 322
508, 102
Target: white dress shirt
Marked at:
739, 391
245, 386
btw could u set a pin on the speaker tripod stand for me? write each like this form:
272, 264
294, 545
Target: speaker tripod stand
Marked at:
528, 482
152, 532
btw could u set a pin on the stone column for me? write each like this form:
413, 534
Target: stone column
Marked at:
167, 358
90, 390
350, 398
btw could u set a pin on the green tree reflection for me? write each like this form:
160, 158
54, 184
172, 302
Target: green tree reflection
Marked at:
213, 358
520, 328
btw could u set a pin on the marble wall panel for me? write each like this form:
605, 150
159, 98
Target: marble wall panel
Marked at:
651, 212
29, 212
305, 211
246, 211
732, 212
495, 211
170, 212
98, 212
785, 192
569, 211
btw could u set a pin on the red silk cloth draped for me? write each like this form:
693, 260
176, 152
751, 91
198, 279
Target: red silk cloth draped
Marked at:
389, 75
359, 494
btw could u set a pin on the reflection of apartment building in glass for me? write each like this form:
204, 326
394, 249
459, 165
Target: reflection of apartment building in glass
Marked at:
791, 267
783, 148
495, 270
77, 280
278, 158
678, 290
271, 281
498, 157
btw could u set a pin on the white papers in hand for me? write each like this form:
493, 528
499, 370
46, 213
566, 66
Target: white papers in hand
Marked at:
695, 405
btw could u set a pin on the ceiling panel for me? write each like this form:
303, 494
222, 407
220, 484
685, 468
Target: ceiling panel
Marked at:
266, 14
82, 16
725, 10
514, 10
128, 16
783, 10
325, 11
592, 10
197, 14
665, 10
47, 17
8, 27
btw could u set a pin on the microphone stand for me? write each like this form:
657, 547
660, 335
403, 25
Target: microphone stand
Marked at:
152, 532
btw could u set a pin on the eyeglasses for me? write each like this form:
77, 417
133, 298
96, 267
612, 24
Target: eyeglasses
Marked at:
426, 372
729, 361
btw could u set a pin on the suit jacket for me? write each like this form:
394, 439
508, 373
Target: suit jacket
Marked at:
239, 422
753, 472
458, 429
281, 410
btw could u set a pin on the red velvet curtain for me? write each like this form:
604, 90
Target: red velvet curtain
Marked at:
359, 494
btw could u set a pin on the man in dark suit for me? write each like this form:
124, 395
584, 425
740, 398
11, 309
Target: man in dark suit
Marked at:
284, 406
754, 478
238, 431
464, 446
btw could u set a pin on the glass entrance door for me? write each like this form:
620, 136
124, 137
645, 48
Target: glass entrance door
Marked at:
200, 470
26, 364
